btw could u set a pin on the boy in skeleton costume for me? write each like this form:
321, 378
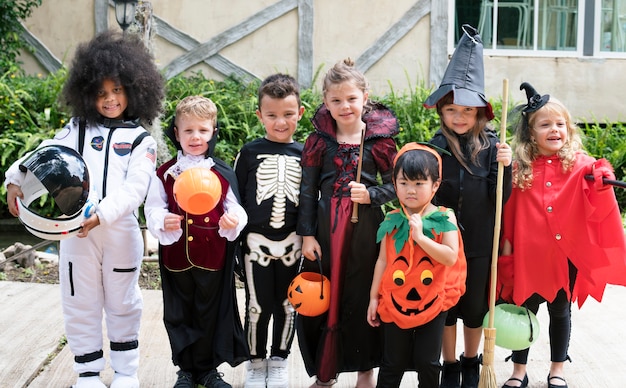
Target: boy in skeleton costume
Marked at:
268, 171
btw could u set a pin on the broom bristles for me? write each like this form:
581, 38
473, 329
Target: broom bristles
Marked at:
488, 374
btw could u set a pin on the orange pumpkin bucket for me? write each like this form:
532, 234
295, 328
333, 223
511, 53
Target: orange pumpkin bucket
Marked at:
197, 190
309, 292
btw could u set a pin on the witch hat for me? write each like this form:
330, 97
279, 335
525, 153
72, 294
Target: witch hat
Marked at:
535, 100
465, 74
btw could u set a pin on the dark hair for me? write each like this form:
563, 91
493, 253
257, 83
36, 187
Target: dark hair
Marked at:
279, 86
123, 58
417, 165
477, 136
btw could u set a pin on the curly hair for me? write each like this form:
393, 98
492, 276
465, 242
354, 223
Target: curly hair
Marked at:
526, 150
120, 57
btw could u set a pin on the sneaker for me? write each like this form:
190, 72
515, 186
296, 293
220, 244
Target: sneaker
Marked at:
89, 382
277, 376
256, 373
213, 379
124, 381
185, 380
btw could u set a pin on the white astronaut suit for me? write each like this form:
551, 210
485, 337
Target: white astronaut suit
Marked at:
99, 273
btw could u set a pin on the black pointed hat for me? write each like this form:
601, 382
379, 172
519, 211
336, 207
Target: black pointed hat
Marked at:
535, 100
465, 74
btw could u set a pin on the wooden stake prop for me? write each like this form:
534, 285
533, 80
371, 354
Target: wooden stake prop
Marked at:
488, 374
355, 206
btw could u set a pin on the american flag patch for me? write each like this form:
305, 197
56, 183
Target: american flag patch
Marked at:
151, 154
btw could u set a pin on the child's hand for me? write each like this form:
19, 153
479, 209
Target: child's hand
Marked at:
601, 171
309, 247
228, 221
359, 193
87, 225
504, 154
13, 191
372, 315
415, 223
171, 222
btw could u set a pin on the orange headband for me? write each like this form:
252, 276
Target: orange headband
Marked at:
418, 147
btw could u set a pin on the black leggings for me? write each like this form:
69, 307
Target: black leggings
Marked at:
560, 312
412, 349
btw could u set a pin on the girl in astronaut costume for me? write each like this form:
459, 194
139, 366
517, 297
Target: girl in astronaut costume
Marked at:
99, 267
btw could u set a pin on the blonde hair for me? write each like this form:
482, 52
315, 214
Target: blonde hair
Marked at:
345, 71
477, 140
198, 107
526, 150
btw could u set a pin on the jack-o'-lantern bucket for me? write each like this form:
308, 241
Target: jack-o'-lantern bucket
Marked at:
309, 292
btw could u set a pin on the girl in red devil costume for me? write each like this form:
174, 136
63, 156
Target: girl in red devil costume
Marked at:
563, 238
420, 272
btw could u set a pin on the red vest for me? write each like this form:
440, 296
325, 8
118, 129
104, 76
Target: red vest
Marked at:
200, 245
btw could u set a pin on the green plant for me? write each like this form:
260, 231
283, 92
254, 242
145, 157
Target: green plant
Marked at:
30, 112
11, 14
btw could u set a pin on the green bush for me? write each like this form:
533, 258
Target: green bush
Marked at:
30, 113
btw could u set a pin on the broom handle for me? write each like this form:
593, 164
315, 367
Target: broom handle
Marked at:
355, 206
496, 229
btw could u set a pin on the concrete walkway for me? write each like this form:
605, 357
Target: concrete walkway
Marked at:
31, 330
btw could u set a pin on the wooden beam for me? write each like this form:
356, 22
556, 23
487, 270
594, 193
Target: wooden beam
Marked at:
396, 32
41, 52
306, 17
185, 41
228, 37
438, 41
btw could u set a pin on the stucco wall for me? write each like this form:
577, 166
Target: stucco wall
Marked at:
341, 29
591, 88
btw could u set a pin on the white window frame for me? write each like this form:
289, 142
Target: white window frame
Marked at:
534, 51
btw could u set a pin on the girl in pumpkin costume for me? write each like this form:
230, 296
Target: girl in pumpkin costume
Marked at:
562, 234
419, 274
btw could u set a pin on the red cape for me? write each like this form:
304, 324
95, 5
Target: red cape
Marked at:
563, 217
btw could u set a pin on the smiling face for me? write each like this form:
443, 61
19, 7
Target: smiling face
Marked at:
548, 130
111, 100
458, 118
345, 101
280, 117
193, 134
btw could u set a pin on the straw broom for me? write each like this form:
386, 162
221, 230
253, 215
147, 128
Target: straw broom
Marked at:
488, 374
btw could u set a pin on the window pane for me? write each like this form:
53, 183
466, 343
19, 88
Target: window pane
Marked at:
514, 27
558, 21
613, 26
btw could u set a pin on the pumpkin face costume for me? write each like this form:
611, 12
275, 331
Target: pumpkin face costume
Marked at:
414, 288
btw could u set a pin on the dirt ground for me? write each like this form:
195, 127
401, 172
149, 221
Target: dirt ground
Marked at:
48, 272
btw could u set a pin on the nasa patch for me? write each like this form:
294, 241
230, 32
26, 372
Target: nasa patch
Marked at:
122, 149
97, 143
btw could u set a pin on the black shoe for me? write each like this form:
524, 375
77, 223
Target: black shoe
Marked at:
451, 375
523, 385
213, 379
470, 372
557, 378
185, 380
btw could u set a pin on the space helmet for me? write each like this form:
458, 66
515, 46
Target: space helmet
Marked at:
62, 173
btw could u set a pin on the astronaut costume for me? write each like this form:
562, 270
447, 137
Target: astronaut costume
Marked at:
100, 272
